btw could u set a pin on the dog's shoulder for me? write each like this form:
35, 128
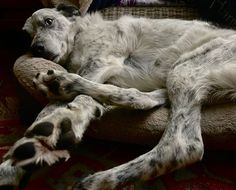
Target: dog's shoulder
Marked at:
89, 20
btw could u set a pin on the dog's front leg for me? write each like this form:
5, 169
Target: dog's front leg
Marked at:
65, 86
58, 127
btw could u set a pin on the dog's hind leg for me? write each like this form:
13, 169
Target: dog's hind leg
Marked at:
180, 145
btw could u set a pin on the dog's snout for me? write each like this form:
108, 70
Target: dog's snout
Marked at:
38, 49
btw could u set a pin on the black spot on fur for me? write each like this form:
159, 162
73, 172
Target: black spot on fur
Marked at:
41, 129
98, 112
24, 151
132, 62
191, 149
37, 75
173, 163
34, 84
152, 163
155, 163
166, 144
157, 63
90, 66
74, 87
196, 139
131, 99
127, 177
79, 186
122, 178
184, 129
130, 174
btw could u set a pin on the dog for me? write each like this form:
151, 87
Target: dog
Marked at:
136, 63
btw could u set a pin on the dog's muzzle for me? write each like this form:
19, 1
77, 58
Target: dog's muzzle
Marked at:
39, 50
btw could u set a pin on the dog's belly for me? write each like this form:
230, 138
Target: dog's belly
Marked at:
145, 85
141, 80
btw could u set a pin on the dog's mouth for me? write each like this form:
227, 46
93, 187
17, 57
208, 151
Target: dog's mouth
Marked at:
39, 50
51, 57
48, 56
54, 58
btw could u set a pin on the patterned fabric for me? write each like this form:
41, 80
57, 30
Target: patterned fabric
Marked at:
148, 2
100, 4
151, 12
9, 106
215, 172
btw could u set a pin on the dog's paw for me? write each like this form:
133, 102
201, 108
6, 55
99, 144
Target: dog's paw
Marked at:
56, 129
56, 84
45, 143
49, 138
31, 153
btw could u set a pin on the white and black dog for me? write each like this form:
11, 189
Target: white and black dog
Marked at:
132, 62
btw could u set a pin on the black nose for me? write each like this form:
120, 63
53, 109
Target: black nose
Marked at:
38, 49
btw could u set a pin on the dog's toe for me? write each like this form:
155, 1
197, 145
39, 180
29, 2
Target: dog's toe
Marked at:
24, 151
67, 138
54, 131
41, 129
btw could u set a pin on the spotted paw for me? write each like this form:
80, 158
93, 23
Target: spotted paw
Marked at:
46, 142
31, 153
56, 84
55, 129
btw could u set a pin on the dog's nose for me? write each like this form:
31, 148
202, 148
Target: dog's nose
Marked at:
38, 49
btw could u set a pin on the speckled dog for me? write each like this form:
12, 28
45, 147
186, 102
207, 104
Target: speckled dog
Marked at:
137, 63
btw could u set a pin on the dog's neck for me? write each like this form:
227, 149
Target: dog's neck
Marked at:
83, 23
78, 25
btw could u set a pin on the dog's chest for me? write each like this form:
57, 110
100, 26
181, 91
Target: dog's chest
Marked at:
102, 56
122, 72
145, 76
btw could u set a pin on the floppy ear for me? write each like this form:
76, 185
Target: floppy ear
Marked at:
28, 26
68, 10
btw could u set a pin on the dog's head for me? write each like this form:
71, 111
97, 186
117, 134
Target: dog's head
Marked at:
50, 31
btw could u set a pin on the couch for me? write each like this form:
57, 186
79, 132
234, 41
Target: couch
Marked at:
19, 107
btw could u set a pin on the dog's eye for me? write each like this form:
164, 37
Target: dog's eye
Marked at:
48, 21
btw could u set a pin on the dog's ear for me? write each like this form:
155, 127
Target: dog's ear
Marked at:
28, 27
68, 10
